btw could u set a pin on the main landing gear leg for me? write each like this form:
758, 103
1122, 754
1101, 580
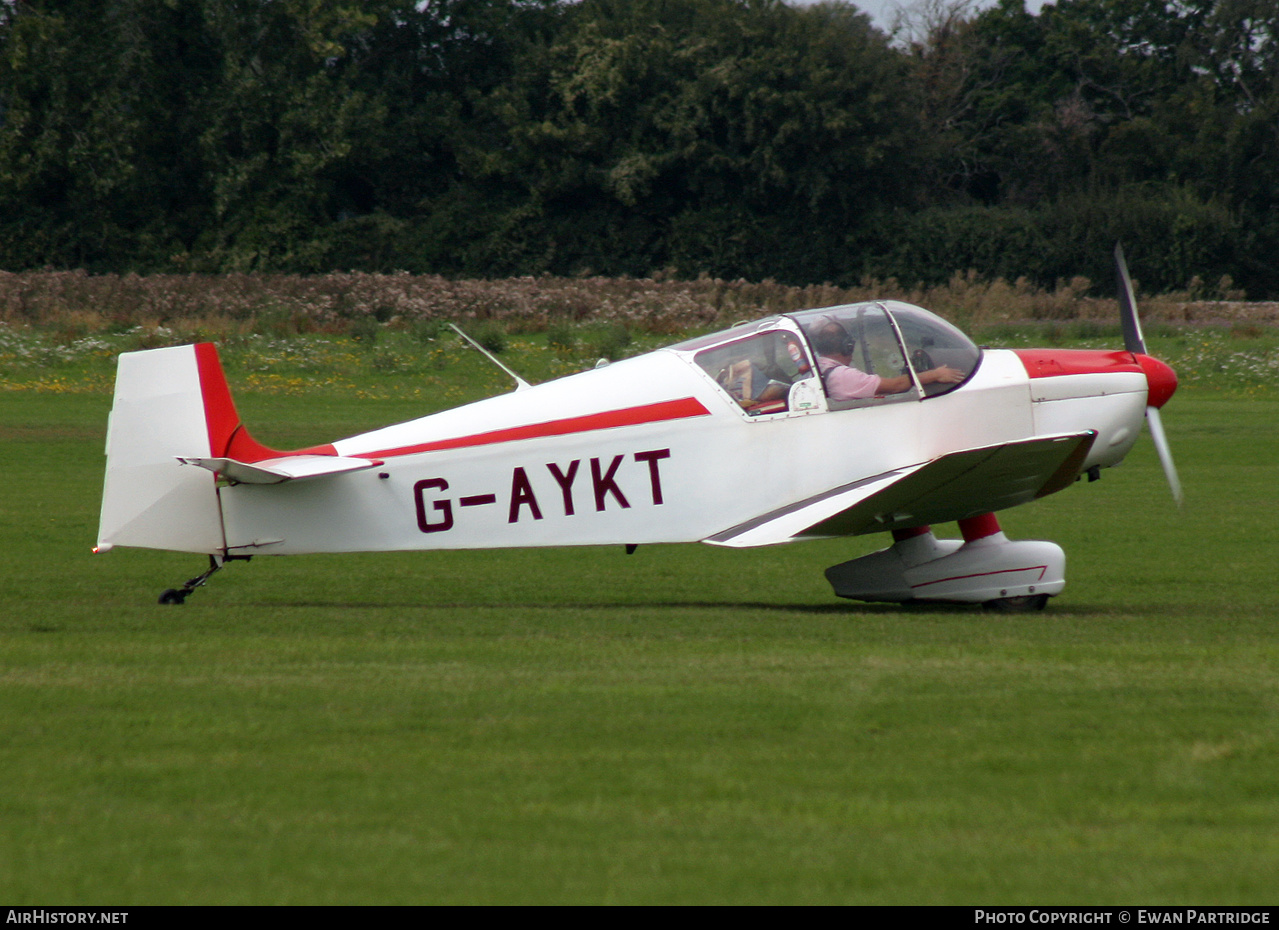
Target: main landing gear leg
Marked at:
985, 567
986, 527
179, 595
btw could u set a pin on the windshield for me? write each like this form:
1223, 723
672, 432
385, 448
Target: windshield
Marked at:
932, 342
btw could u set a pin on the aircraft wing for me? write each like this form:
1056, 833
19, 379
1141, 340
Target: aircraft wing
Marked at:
951, 487
284, 468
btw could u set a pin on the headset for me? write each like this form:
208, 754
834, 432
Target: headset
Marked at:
832, 339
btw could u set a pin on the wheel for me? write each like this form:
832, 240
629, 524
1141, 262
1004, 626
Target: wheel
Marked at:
172, 596
1017, 605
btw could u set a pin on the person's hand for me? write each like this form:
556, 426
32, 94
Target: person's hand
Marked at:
943, 374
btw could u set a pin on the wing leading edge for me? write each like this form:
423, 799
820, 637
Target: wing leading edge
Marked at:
950, 487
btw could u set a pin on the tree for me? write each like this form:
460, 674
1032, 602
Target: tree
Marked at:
1078, 121
97, 165
734, 138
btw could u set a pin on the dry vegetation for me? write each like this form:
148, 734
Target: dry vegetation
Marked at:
216, 306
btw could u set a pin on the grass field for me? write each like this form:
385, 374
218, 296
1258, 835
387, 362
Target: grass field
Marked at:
683, 725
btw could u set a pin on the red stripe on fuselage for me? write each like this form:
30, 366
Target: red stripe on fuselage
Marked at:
629, 416
1055, 363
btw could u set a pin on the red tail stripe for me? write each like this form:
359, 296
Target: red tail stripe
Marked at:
629, 416
227, 436
220, 415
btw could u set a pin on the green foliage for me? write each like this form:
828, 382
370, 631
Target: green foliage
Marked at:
1005, 241
608, 340
731, 138
706, 135
1170, 234
561, 337
491, 336
426, 331
1111, 119
364, 330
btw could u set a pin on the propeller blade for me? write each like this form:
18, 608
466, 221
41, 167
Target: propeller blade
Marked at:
1135, 343
1156, 424
1133, 339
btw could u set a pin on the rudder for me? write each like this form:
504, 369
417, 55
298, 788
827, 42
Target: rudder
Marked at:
159, 412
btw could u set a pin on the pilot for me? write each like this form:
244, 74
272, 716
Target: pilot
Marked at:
843, 382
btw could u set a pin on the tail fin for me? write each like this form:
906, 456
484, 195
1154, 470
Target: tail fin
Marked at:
168, 403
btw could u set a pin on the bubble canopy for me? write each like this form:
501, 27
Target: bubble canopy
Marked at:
871, 344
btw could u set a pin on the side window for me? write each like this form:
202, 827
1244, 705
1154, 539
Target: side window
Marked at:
886, 350
859, 354
759, 371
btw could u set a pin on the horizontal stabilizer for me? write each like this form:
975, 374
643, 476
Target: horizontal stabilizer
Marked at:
281, 469
951, 487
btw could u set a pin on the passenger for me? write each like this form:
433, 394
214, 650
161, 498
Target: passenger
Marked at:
843, 382
749, 385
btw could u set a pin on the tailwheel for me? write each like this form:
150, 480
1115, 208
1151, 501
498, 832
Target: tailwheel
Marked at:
179, 595
1017, 605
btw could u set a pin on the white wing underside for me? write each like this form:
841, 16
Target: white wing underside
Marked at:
951, 487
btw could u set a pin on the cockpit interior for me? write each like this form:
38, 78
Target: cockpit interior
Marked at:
781, 364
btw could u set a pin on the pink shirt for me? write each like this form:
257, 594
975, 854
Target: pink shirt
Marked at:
844, 383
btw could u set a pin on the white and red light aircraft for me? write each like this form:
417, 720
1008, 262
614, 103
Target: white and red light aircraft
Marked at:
732, 439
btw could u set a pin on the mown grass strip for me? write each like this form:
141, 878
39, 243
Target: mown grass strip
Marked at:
684, 725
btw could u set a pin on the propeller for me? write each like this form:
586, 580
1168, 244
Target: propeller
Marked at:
1135, 343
